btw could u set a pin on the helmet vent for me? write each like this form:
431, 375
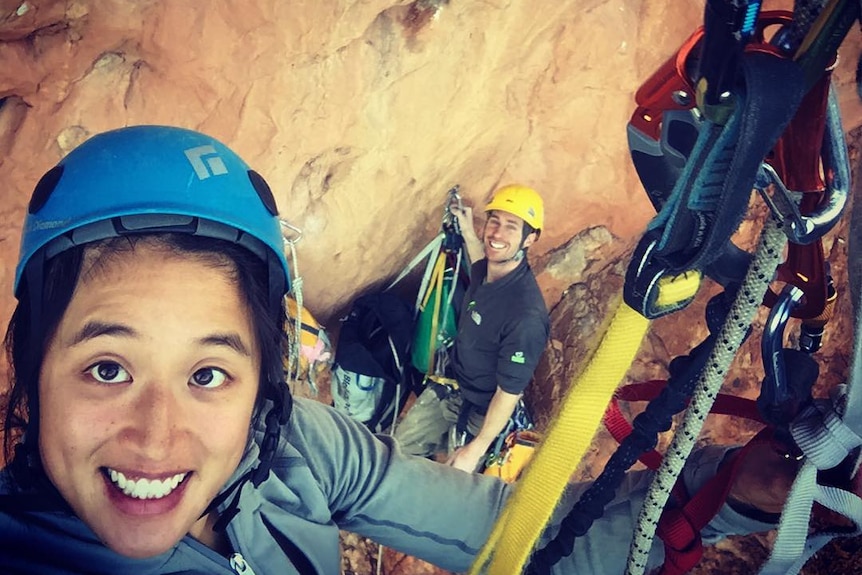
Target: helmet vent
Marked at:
45, 188
263, 191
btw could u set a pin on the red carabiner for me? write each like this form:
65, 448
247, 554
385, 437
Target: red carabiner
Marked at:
797, 158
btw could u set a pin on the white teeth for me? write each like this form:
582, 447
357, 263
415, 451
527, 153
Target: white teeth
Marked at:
144, 488
497, 246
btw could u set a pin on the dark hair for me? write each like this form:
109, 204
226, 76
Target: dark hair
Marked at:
27, 336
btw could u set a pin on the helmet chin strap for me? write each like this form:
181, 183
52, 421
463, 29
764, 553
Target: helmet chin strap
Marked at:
276, 418
519, 255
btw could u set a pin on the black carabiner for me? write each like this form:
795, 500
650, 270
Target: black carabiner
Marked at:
790, 373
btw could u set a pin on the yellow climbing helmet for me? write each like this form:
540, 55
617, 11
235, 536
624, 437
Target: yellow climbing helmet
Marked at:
521, 201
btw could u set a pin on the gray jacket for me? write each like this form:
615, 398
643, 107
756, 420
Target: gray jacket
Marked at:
332, 474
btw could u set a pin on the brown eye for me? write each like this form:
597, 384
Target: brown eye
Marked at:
109, 372
208, 377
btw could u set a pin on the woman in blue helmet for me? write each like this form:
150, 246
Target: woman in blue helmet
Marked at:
151, 429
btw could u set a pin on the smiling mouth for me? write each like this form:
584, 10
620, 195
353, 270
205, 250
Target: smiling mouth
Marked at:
497, 246
144, 488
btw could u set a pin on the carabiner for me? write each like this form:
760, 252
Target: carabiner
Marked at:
772, 346
790, 374
454, 199
454, 196
806, 229
286, 229
803, 162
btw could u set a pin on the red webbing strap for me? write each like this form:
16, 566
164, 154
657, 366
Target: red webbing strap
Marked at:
619, 427
679, 528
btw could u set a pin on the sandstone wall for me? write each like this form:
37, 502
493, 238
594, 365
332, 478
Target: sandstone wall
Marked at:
362, 113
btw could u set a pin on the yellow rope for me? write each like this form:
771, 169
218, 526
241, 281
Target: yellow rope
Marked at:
529, 509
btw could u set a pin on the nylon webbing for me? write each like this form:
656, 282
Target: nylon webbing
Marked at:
748, 300
826, 434
430, 247
529, 509
437, 288
825, 441
710, 197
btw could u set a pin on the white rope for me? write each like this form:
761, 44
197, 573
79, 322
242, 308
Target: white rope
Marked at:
742, 312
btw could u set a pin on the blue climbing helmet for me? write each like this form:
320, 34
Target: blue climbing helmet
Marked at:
151, 179
145, 179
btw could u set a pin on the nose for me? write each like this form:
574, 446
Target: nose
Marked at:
154, 421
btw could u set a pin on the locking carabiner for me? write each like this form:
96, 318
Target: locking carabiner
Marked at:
807, 215
775, 391
802, 228
790, 374
452, 241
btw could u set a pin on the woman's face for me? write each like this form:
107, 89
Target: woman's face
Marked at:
146, 393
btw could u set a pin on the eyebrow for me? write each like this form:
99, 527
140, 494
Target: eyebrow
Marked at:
501, 219
94, 329
229, 339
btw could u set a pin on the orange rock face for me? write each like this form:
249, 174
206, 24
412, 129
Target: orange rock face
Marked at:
361, 115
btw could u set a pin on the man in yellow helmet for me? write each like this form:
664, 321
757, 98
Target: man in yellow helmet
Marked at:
502, 331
